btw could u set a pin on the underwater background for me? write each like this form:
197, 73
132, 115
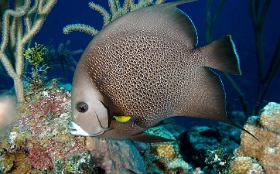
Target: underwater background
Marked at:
234, 19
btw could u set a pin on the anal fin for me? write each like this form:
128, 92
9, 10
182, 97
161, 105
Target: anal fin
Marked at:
206, 97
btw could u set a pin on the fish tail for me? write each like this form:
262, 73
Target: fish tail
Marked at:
221, 55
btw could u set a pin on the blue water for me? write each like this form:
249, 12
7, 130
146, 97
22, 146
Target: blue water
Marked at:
234, 19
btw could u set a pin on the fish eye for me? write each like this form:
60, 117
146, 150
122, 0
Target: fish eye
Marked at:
82, 107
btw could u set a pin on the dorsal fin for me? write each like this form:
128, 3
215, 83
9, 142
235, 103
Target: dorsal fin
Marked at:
164, 19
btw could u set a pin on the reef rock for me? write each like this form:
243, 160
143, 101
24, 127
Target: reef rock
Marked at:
195, 143
164, 157
115, 156
266, 151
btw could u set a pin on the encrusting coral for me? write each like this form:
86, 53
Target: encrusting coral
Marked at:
165, 150
246, 165
41, 131
266, 151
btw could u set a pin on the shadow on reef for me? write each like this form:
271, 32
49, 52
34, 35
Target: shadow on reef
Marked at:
204, 146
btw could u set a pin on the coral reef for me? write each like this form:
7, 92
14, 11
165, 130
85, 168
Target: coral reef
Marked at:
246, 165
165, 150
266, 151
40, 141
23, 165
219, 159
41, 131
196, 143
230, 132
164, 157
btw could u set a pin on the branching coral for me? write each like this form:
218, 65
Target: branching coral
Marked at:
116, 11
34, 56
19, 25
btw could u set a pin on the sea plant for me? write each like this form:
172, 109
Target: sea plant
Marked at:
42, 60
19, 23
62, 55
35, 58
258, 17
35, 54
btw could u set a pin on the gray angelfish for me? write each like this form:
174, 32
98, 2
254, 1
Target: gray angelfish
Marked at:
143, 68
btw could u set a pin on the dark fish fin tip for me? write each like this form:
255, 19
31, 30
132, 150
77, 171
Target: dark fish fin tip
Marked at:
240, 127
148, 138
250, 134
164, 123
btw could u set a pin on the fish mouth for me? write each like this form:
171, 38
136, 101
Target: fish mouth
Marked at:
77, 130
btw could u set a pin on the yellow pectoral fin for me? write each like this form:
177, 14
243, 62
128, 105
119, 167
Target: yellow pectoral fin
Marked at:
123, 118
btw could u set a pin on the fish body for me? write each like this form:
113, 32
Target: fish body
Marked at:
143, 68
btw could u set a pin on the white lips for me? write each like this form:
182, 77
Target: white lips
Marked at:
77, 130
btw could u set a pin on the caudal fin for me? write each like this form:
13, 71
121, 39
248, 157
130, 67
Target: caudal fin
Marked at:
221, 55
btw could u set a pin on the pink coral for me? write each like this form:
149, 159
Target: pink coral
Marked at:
39, 157
44, 122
